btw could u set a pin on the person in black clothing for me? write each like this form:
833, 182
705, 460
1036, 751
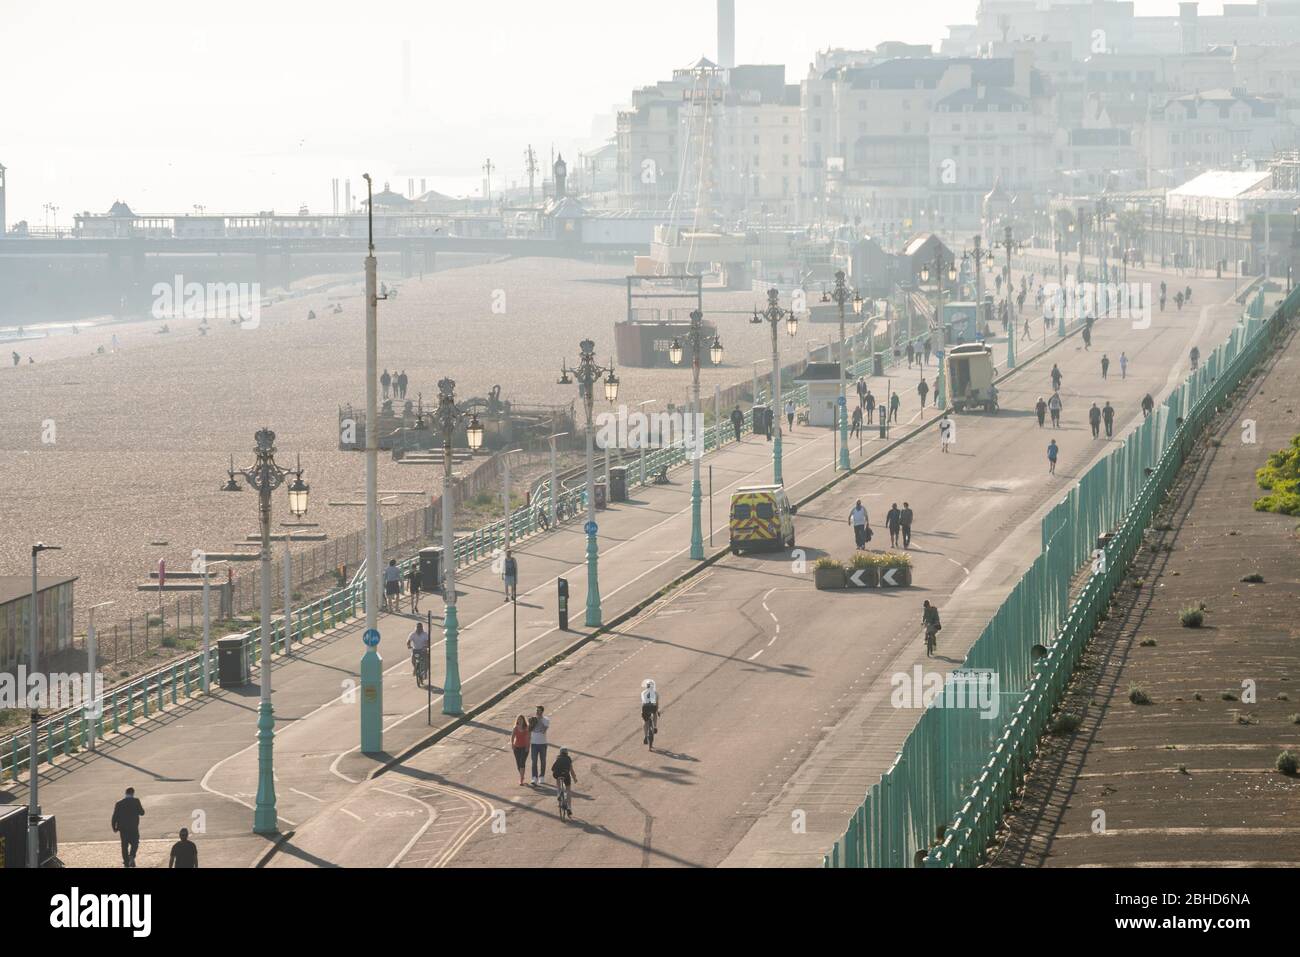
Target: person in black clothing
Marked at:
923, 390
385, 381
911, 354
1105, 365
1041, 408
893, 522
1108, 416
126, 823
1094, 419
185, 853
1148, 404
1195, 356
1056, 378
402, 383
855, 425
737, 421
926, 348
870, 401
905, 523
413, 586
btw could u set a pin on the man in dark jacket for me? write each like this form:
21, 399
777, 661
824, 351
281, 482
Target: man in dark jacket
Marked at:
1094, 419
1108, 416
126, 822
737, 421
893, 522
905, 523
185, 853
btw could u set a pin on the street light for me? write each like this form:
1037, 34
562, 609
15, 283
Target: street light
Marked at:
33, 803
772, 315
264, 476
587, 374
695, 339
449, 418
841, 297
936, 329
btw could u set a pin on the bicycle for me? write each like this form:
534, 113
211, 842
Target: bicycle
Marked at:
420, 666
651, 722
931, 634
562, 799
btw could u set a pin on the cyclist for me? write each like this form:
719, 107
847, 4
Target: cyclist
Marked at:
930, 618
565, 777
649, 708
418, 642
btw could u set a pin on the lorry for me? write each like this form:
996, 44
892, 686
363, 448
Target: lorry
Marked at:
970, 372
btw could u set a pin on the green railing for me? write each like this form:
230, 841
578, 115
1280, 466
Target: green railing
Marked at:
957, 771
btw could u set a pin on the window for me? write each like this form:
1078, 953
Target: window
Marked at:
764, 510
741, 512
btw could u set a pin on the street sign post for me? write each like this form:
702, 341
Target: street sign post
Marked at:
372, 694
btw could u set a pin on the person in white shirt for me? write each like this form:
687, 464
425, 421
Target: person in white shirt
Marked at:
537, 739
858, 519
945, 433
789, 413
392, 587
418, 642
649, 706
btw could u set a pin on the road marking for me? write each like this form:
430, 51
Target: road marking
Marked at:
350, 814
306, 795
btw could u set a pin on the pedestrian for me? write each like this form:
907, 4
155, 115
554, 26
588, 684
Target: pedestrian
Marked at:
1052, 451
385, 381
911, 354
1041, 408
923, 390
510, 575
537, 738
927, 351
862, 390
789, 413
871, 406
894, 403
737, 421
1056, 378
1195, 356
520, 738
402, 383
1054, 407
945, 433
1123, 365
185, 853
126, 824
16, 358
855, 427
905, 523
1148, 404
893, 522
1087, 339
1094, 419
1108, 416
392, 586
1105, 365
861, 525
413, 586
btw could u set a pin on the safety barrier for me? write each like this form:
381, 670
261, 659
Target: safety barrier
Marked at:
953, 779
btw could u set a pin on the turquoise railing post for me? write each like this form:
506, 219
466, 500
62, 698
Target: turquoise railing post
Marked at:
117, 725
173, 684
159, 680
67, 738
49, 743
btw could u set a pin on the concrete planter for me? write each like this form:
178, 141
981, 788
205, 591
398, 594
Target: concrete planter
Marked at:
828, 578
867, 577
900, 577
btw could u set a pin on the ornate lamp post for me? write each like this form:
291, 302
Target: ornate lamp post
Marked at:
772, 315
936, 330
842, 296
449, 419
587, 374
695, 341
1009, 244
264, 476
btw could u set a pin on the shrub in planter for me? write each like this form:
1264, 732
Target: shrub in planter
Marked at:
828, 573
862, 567
881, 562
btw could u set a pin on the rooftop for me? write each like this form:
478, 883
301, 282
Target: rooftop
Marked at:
1224, 184
14, 587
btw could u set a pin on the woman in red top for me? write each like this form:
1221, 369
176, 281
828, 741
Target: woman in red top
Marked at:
519, 739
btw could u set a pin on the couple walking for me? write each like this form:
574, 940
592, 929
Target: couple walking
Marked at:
529, 736
898, 521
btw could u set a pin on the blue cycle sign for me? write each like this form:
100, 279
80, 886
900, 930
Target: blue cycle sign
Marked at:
590, 528
371, 637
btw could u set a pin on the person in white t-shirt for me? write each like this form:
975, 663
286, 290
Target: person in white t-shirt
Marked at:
649, 706
539, 725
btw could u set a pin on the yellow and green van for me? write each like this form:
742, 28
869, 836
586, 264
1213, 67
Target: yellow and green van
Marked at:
761, 518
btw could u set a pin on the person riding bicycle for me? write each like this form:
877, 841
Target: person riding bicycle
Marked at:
930, 618
649, 706
562, 770
418, 642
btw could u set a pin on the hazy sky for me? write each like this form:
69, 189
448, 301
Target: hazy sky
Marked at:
239, 106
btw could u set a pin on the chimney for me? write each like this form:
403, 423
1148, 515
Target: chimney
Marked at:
726, 34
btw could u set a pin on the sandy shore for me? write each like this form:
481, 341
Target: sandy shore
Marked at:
142, 438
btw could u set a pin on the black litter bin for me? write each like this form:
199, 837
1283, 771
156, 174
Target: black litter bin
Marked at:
431, 568
762, 419
602, 493
232, 662
878, 364
618, 483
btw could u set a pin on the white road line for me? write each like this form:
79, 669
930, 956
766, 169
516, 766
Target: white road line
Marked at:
429, 819
306, 795
350, 814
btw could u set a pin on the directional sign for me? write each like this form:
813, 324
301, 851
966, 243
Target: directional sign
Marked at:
371, 637
887, 577
841, 401
856, 579
590, 528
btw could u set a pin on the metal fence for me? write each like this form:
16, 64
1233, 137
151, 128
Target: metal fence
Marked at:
956, 772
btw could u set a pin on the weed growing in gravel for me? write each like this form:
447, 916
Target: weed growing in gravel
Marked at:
1066, 724
1288, 763
1137, 694
1227, 696
1255, 578
1192, 617
1147, 642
